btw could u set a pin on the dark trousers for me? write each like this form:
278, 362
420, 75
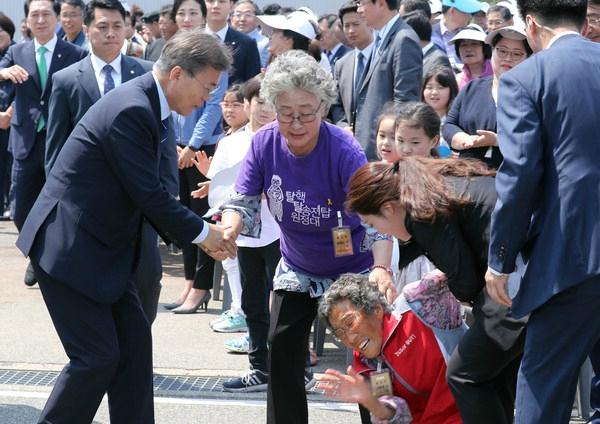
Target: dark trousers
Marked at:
28, 178
560, 335
595, 389
5, 171
197, 265
482, 376
257, 268
110, 351
148, 272
291, 317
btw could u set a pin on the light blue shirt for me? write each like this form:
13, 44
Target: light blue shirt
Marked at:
202, 127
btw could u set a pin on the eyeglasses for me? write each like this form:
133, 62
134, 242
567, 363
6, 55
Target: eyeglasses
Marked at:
210, 91
503, 53
231, 105
304, 118
349, 324
594, 20
240, 15
217, 1
496, 23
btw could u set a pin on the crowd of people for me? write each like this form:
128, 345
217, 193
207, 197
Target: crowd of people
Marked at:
421, 175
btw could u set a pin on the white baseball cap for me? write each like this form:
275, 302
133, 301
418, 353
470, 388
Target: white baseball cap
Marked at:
297, 22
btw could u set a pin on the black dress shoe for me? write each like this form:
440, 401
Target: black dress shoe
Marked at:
29, 279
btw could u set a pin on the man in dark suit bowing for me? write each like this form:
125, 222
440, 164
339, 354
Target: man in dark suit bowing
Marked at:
76, 88
548, 206
246, 59
82, 234
30, 66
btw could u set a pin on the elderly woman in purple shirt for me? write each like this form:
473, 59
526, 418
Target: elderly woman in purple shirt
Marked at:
302, 164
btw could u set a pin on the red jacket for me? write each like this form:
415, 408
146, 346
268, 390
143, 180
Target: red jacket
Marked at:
411, 349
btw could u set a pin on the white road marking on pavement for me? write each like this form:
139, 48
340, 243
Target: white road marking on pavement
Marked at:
329, 406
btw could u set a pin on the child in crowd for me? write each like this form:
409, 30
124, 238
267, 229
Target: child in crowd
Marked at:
232, 106
386, 147
417, 133
439, 90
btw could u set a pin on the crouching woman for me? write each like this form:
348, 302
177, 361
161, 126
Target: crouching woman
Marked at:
399, 367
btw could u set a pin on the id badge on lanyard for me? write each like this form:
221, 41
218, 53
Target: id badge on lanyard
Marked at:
342, 239
381, 382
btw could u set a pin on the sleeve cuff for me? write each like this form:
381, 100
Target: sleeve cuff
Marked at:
203, 234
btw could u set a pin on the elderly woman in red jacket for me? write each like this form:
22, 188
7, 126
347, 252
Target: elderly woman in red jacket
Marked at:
399, 368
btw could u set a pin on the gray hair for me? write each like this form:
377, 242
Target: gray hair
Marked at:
356, 288
297, 70
194, 51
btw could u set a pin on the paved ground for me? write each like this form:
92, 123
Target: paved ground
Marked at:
184, 345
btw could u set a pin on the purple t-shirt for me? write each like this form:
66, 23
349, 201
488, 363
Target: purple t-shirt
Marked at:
304, 195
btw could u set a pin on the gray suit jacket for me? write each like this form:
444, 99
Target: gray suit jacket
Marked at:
394, 74
433, 58
74, 91
343, 110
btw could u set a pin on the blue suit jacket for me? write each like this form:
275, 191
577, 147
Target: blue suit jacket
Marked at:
30, 101
549, 182
84, 226
74, 91
246, 60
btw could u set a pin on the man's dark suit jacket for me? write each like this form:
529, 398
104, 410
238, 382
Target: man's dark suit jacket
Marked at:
74, 91
433, 58
84, 226
30, 101
549, 181
246, 59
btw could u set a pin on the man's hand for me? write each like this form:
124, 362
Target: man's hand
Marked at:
384, 281
497, 288
186, 156
218, 243
15, 73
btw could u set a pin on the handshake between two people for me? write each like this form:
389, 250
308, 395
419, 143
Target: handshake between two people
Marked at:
220, 242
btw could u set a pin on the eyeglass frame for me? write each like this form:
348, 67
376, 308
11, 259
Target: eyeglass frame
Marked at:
508, 53
243, 14
301, 117
593, 20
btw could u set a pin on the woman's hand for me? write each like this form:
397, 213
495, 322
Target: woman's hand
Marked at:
486, 138
202, 191
463, 141
202, 162
351, 387
385, 282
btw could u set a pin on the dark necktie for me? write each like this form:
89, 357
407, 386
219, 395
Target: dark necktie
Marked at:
109, 82
360, 69
164, 130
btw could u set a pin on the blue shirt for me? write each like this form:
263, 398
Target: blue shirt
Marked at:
202, 127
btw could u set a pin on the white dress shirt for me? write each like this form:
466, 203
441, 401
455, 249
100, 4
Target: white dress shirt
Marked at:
98, 64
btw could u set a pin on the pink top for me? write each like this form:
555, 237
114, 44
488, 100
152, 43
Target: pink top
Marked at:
466, 76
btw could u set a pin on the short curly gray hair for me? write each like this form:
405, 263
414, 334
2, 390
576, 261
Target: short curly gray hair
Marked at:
356, 288
297, 70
